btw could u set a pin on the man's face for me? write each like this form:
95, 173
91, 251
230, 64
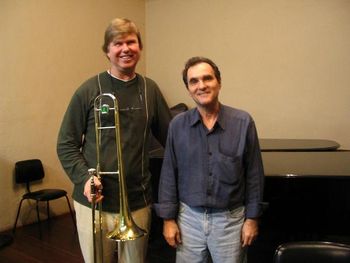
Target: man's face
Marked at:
124, 52
203, 86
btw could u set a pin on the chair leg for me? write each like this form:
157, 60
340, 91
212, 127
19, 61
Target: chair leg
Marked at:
18, 211
71, 213
37, 214
48, 210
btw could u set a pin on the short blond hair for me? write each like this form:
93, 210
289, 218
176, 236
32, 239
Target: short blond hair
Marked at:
119, 27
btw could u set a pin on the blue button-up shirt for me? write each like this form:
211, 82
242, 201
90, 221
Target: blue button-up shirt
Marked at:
218, 168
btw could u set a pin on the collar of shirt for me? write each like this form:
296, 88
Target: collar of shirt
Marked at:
196, 118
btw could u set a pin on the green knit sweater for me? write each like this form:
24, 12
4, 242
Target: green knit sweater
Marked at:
142, 110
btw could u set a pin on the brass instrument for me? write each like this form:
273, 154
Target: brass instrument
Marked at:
125, 229
93, 193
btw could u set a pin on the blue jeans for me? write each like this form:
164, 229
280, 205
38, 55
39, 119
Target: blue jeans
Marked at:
216, 231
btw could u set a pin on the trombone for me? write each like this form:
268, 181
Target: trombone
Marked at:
125, 229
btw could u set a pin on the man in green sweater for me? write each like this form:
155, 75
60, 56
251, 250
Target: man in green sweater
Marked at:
142, 109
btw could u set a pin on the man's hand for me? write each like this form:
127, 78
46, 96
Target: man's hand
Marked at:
249, 231
98, 188
171, 232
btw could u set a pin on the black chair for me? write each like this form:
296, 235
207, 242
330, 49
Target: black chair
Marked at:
312, 252
28, 171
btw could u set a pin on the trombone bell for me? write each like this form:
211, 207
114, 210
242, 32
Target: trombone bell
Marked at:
126, 233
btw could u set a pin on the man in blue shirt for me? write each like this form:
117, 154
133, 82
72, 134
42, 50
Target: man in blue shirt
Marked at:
211, 184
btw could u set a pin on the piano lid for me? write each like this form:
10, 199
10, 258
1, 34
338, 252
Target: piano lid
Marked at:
307, 164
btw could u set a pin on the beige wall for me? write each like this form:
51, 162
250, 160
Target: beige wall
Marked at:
47, 49
286, 62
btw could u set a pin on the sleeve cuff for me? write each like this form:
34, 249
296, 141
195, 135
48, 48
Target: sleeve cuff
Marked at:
166, 211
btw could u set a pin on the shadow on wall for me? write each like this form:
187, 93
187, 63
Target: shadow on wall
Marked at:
155, 148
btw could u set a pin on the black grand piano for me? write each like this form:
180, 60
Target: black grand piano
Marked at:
307, 194
308, 199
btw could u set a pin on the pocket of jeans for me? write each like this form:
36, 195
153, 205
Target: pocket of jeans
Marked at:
182, 208
237, 212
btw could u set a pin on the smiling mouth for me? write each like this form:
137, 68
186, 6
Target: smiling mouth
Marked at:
126, 57
203, 94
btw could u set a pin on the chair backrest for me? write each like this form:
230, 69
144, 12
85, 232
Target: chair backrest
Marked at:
312, 252
28, 170
178, 108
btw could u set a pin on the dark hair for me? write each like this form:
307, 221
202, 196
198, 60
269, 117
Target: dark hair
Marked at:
120, 27
196, 60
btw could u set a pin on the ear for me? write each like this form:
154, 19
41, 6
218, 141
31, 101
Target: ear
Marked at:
189, 93
107, 56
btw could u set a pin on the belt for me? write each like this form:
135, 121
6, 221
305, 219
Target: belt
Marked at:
211, 210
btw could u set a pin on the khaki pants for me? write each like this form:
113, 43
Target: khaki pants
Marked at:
130, 251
